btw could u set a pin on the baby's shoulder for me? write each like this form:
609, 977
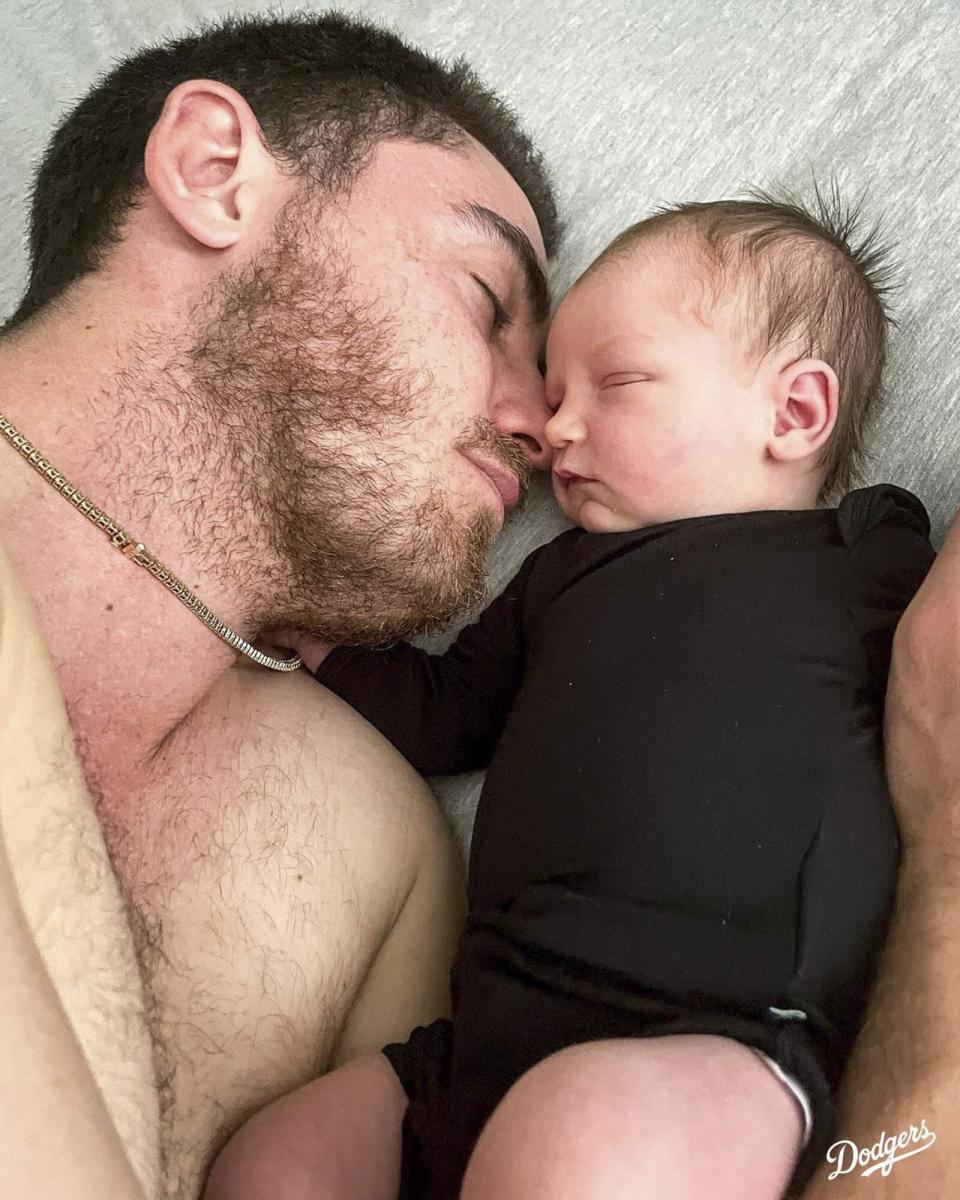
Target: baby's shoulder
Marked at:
884, 506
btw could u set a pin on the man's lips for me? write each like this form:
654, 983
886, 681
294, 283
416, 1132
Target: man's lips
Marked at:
502, 478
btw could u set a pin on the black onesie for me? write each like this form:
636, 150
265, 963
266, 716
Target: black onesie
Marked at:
685, 825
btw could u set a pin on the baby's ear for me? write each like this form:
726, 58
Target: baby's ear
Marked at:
806, 394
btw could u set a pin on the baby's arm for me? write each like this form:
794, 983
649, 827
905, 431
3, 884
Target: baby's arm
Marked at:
443, 712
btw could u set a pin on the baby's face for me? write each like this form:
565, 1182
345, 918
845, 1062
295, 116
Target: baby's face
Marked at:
656, 414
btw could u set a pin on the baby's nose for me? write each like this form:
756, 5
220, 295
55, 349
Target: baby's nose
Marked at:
564, 427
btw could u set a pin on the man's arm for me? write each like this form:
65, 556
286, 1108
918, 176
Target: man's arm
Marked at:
58, 1140
906, 1064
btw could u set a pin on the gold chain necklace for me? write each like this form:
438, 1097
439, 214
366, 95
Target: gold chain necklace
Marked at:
137, 553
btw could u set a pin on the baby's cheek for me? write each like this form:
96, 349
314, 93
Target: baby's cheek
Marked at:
686, 455
597, 517
666, 478
647, 461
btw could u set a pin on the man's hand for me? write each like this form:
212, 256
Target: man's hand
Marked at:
906, 1063
923, 720
310, 649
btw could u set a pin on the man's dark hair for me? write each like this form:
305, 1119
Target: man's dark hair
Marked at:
324, 88
807, 275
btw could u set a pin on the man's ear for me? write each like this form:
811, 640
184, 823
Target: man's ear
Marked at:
806, 394
206, 163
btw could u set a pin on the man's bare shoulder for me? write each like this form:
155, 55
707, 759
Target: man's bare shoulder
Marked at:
306, 719
305, 743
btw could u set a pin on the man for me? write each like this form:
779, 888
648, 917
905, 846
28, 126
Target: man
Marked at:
285, 334
287, 885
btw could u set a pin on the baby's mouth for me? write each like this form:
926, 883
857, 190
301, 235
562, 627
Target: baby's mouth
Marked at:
570, 478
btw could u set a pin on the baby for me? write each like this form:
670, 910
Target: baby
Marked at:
685, 827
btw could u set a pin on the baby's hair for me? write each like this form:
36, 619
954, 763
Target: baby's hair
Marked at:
814, 278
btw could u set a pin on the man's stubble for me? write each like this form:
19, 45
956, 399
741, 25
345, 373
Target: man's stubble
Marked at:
318, 426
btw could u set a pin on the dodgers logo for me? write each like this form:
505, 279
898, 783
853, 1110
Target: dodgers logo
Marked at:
884, 1152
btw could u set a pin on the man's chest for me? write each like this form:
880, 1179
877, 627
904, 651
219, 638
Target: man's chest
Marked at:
211, 968
234, 857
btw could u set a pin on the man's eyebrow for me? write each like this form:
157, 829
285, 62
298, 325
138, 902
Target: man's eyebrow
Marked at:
491, 224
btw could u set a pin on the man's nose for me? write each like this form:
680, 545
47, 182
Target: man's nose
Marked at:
520, 411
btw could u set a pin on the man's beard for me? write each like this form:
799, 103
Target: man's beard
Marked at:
300, 379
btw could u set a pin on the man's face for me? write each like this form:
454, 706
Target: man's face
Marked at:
395, 415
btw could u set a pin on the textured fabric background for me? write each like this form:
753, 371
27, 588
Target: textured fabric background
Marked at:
636, 102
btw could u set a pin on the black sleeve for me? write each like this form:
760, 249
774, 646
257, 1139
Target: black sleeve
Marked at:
443, 712
887, 533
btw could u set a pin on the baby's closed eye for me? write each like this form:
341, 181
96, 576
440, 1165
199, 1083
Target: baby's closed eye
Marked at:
625, 378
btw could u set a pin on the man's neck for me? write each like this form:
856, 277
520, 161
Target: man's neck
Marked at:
131, 659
